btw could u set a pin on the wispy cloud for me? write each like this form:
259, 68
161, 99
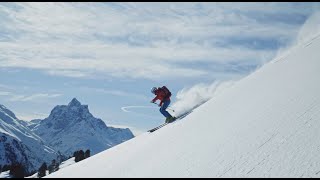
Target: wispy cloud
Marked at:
188, 98
115, 92
69, 73
142, 40
4, 93
33, 97
31, 116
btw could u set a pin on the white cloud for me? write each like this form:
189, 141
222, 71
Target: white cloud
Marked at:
4, 93
33, 97
115, 92
135, 40
188, 98
69, 73
29, 117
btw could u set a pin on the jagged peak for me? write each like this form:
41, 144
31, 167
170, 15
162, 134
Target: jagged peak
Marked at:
74, 102
74, 106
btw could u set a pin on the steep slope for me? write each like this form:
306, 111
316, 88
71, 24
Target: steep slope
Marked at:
20, 144
266, 125
72, 127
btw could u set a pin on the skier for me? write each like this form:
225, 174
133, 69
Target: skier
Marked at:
163, 94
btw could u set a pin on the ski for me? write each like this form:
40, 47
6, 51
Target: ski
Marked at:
158, 127
164, 124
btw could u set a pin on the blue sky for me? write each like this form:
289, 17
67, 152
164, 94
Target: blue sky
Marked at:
109, 55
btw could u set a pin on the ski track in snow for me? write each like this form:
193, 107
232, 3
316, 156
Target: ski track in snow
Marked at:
262, 155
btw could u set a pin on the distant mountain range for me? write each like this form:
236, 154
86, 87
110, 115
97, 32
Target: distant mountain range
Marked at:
67, 129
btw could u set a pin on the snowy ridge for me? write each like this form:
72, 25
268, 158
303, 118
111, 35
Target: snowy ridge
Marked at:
20, 144
265, 125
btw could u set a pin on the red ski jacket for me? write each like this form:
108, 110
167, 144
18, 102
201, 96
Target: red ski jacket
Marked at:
160, 95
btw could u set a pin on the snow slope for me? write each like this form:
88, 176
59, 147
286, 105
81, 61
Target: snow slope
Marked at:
63, 164
266, 125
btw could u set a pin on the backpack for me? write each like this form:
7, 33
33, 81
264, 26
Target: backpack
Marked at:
166, 92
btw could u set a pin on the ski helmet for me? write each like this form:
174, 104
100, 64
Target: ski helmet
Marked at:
153, 90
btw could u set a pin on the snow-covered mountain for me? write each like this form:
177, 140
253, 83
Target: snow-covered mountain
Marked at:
20, 144
30, 124
72, 127
265, 125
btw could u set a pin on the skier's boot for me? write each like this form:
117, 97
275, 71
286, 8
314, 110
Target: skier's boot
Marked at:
171, 119
167, 119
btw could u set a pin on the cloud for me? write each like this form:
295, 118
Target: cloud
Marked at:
33, 97
4, 93
32, 116
69, 73
11, 94
189, 98
139, 40
115, 92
